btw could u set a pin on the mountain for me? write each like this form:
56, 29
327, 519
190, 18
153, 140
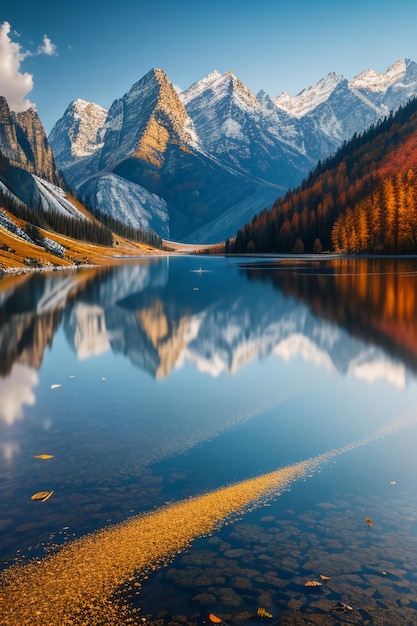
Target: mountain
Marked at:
28, 172
41, 222
360, 200
338, 108
24, 144
27, 167
245, 132
32, 189
152, 170
76, 137
197, 165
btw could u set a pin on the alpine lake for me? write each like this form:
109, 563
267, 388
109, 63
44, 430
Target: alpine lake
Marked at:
195, 440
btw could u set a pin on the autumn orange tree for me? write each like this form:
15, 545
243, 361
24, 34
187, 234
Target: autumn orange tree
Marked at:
361, 200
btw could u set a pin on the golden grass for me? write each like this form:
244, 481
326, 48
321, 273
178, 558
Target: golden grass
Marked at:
19, 249
16, 250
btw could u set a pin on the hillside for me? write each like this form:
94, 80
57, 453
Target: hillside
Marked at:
18, 253
362, 200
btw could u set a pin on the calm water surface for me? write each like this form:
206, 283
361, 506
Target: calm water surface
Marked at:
170, 378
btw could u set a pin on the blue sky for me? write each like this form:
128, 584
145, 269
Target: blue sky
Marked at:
55, 52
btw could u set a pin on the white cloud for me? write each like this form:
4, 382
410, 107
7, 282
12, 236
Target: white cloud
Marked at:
14, 84
47, 47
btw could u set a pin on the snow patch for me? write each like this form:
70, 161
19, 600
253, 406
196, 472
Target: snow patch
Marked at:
132, 204
54, 198
53, 246
374, 81
13, 228
309, 98
199, 87
84, 136
233, 130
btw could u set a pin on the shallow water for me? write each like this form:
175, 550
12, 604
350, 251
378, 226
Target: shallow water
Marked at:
171, 378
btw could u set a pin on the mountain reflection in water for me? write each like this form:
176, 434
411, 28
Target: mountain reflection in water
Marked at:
155, 314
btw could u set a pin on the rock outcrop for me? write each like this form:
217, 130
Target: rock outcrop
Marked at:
23, 142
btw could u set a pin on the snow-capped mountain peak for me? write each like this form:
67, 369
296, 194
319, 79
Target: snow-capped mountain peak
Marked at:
199, 87
221, 86
309, 98
375, 81
242, 94
77, 133
145, 121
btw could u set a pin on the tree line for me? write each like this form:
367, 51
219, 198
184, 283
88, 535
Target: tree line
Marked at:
98, 231
362, 199
141, 235
77, 228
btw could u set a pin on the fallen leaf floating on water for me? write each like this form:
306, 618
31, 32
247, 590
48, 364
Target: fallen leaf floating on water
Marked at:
55, 386
323, 577
214, 619
263, 612
42, 495
39, 495
369, 522
341, 607
43, 456
313, 583
48, 496
393, 482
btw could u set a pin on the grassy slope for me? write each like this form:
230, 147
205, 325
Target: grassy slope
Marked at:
76, 251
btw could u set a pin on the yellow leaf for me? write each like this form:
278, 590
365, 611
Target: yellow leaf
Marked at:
42, 495
44, 456
213, 618
313, 583
369, 521
263, 612
39, 495
323, 577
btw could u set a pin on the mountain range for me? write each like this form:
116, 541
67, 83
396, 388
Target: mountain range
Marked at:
196, 165
192, 166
